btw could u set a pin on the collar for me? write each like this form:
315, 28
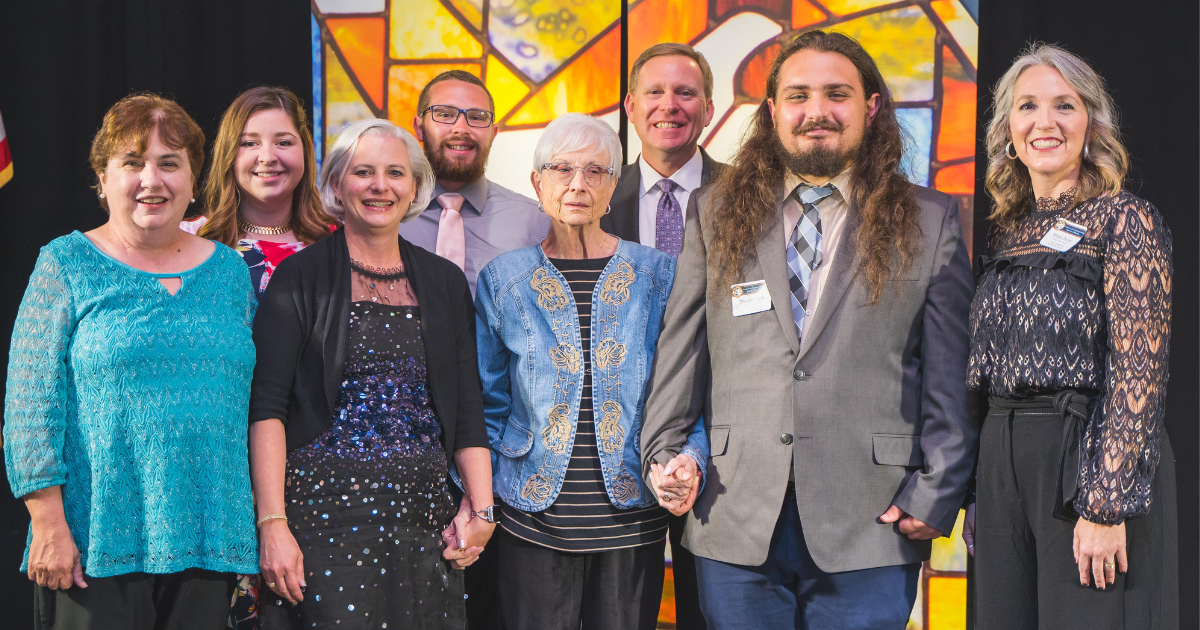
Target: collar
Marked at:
687, 177
475, 194
841, 182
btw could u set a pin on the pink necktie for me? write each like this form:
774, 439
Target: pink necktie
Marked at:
451, 241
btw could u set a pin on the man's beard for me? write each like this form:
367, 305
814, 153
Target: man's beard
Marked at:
448, 170
819, 161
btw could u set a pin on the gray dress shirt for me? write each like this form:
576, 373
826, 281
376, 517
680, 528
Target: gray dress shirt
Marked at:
495, 220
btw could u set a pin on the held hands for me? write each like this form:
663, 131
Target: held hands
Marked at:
909, 525
54, 558
466, 536
281, 561
1099, 552
677, 484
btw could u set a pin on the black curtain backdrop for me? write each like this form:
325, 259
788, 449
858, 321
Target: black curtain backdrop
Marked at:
63, 63
1149, 53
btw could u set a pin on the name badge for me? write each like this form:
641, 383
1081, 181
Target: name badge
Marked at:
1064, 235
750, 298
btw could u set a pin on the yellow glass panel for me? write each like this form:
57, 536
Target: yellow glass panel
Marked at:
343, 103
424, 29
472, 10
654, 21
947, 603
950, 554
405, 83
590, 84
538, 36
902, 43
961, 26
846, 7
507, 88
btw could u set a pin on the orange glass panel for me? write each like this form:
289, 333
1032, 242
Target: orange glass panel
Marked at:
956, 138
589, 84
361, 41
507, 88
666, 609
956, 180
753, 82
961, 25
654, 21
768, 6
947, 599
805, 14
405, 83
344, 103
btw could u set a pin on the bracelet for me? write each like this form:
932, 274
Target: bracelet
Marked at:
269, 517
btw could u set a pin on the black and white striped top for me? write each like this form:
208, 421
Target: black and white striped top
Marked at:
583, 519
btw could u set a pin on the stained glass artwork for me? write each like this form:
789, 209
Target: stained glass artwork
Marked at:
538, 36
428, 30
543, 58
360, 41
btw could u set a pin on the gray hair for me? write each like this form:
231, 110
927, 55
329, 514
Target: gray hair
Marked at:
337, 160
571, 133
1106, 162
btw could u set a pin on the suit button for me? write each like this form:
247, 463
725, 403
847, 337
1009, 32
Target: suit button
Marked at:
786, 438
799, 374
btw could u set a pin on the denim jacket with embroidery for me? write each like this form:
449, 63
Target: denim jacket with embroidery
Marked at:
530, 360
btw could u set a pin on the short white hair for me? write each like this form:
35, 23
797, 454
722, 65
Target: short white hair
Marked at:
337, 160
571, 133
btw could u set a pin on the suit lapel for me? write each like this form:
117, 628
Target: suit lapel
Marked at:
834, 285
772, 259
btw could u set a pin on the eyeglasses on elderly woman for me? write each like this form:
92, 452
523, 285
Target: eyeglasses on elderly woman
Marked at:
562, 173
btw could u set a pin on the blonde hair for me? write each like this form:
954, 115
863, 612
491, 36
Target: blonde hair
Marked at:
222, 195
1106, 161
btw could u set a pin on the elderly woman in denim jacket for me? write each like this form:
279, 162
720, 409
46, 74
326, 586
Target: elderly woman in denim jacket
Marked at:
566, 333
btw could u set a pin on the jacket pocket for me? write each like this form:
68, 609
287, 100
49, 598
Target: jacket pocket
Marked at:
516, 441
898, 450
718, 440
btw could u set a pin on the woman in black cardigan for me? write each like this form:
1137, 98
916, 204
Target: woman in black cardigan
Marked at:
366, 379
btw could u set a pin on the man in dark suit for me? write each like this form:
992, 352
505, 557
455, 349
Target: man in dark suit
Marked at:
669, 104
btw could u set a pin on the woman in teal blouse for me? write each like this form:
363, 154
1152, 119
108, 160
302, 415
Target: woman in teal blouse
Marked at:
127, 397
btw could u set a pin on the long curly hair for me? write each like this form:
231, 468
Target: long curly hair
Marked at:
883, 206
222, 195
1103, 169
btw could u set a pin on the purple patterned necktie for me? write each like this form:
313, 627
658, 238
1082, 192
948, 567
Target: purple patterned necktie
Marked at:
668, 224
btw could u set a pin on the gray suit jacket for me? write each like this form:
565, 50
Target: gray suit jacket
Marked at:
870, 409
622, 222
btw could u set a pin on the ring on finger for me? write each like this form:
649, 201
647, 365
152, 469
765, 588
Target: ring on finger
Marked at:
1109, 564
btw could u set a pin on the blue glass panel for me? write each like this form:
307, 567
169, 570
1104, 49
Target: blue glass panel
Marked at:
917, 124
318, 105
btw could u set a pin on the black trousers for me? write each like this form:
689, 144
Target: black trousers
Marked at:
544, 589
683, 566
193, 599
481, 581
1025, 574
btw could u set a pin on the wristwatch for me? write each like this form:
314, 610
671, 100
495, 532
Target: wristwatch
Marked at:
489, 514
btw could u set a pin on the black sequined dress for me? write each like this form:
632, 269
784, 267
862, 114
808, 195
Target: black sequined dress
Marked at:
367, 501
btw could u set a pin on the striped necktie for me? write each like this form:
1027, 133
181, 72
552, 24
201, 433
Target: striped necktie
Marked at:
804, 248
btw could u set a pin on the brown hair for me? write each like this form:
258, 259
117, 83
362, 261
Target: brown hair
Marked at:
882, 202
133, 120
222, 196
667, 49
452, 75
1107, 163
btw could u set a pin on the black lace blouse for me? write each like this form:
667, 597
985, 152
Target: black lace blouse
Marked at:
1096, 318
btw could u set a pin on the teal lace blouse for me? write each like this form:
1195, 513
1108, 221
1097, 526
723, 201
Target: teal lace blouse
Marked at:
136, 403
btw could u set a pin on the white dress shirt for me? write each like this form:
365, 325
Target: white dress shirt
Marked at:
686, 179
834, 210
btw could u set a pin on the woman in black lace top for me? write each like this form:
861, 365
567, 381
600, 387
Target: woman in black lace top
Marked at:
1070, 330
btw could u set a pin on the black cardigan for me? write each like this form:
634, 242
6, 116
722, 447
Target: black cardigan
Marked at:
300, 338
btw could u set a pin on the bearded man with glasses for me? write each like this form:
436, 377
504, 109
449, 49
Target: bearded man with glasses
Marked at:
470, 220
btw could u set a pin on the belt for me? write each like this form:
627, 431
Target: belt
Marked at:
1073, 408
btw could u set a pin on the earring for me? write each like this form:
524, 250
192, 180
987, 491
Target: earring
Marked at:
101, 195
608, 210
193, 200
1013, 155
337, 201
1086, 156
540, 208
